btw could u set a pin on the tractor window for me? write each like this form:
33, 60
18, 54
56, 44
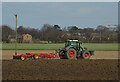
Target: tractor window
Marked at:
66, 44
73, 43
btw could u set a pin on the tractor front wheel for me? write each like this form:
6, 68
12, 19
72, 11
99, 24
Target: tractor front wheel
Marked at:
71, 53
86, 55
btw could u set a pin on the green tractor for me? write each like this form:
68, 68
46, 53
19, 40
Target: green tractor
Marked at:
73, 49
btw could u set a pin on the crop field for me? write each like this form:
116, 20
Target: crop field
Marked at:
91, 46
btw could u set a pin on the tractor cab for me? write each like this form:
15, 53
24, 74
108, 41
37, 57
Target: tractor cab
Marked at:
73, 43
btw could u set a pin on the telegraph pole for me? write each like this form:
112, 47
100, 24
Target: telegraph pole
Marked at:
16, 36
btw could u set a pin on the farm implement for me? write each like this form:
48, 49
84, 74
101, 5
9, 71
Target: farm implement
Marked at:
72, 50
35, 56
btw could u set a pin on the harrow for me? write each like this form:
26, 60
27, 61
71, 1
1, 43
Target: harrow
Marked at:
36, 56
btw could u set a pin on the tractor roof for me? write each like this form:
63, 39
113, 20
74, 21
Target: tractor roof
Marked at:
73, 40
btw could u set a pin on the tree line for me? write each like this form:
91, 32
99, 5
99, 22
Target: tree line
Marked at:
55, 33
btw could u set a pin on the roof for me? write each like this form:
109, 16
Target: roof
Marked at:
73, 40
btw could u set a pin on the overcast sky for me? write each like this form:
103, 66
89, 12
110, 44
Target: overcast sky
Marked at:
81, 14
60, 0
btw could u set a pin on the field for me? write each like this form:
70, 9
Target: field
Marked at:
92, 46
103, 65
60, 69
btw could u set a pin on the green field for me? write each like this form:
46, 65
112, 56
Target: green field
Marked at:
91, 46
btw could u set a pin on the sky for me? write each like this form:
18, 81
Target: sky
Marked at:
64, 14
59, 0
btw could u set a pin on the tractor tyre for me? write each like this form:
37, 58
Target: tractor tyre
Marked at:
85, 55
36, 56
71, 53
62, 54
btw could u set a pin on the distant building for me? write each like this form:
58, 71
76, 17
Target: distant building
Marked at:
11, 38
95, 35
68, 34
25, 38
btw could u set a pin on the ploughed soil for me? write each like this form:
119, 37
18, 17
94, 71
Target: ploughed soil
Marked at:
48, 69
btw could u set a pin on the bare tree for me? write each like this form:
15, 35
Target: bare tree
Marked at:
6, 31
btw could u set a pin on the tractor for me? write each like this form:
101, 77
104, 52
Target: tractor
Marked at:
73, 49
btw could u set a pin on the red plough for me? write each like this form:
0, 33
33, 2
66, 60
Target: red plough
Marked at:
36, 56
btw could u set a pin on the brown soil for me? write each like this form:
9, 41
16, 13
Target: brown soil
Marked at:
47, 69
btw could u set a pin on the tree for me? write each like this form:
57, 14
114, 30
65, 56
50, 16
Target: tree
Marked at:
72, 29
21, 30
56, 27
46, 28
6, 31
100, 28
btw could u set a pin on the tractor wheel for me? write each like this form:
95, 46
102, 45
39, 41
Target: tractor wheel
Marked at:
62, 54
36, 56
22, 58
86, 55
71, 53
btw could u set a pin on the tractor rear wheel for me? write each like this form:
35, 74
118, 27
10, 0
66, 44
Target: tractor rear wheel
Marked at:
86, 55
36, 56
71, 53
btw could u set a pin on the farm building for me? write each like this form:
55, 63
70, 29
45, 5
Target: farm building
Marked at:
25, 38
